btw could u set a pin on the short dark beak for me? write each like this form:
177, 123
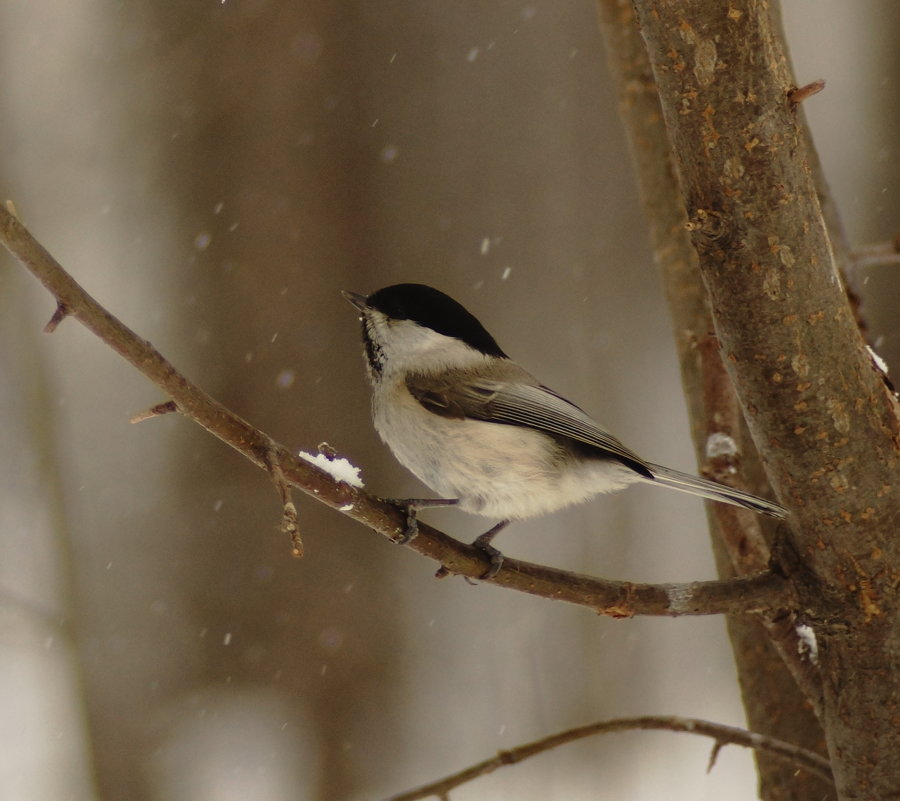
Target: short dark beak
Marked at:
356, 299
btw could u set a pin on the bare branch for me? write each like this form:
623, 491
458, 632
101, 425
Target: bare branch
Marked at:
723, 735
764, 590
880, 254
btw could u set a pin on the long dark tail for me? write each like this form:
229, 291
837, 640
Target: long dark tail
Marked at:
713, 491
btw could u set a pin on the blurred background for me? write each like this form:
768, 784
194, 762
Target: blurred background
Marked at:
214, 172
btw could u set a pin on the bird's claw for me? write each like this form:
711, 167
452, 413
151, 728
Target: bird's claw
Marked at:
412, 526
495, 556
483, 543
411, 506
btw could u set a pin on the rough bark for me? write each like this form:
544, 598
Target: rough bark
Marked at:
772, 699
817, 407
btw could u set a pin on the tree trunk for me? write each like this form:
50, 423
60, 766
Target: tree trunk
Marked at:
818, 408
772, 699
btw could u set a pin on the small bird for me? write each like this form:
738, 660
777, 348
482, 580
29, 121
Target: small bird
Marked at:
484, 433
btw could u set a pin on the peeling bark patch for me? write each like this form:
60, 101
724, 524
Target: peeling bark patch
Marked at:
772, 284
680, 599
733, 168
868, 600
800, 365
686, 32
839, 415
786, 256
705, 58
677, 64
710, 136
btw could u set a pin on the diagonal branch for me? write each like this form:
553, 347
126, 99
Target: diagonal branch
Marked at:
762, 590
723, 735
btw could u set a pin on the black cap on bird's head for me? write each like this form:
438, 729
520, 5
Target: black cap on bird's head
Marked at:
431, 309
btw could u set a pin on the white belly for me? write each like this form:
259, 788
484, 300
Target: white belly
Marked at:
500, 471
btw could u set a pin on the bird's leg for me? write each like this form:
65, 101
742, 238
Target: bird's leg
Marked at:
412, 506
483, 543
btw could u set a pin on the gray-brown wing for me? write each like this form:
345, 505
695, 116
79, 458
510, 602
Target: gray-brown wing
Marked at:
520, 404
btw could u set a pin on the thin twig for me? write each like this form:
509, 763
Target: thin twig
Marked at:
168, 407
879, 254
723, 735
58, 316
289, 523
764, 590
800, 93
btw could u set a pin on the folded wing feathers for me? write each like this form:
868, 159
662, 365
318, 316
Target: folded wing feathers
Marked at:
540, 408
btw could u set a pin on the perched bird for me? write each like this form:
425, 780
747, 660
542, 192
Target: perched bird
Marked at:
484, 433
